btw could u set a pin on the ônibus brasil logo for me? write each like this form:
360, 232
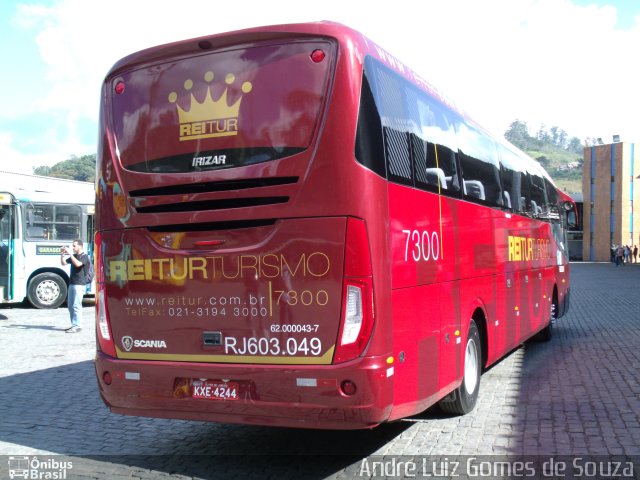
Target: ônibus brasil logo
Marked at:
26, 467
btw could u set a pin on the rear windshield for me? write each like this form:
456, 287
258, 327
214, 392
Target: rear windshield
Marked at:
220, 110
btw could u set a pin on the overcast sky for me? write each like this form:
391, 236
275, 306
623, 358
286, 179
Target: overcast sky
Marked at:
568, 63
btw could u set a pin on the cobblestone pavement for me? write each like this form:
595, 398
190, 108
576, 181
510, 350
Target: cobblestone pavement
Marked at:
578, 395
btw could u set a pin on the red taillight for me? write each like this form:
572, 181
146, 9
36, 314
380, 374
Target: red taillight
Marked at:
317, 56
119, 88
105, 337
357, 319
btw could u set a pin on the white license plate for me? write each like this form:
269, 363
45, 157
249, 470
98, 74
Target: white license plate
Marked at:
214, 390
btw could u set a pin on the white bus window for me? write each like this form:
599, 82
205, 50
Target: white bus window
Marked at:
53, 222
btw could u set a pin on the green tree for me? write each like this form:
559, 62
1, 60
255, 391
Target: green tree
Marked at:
75, 168
543, 135
575, 145
552, 149
518, 134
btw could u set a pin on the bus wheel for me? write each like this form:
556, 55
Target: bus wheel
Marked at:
546, 333
463, 399
47, 290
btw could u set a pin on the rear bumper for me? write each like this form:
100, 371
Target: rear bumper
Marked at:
277, 395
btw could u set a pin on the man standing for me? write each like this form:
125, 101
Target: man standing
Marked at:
77, 281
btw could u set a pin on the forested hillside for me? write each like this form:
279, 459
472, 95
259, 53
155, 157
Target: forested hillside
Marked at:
75, 168
560, 155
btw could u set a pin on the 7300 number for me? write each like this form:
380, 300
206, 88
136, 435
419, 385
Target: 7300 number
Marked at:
421, 245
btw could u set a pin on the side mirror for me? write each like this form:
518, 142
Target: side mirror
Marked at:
570, 215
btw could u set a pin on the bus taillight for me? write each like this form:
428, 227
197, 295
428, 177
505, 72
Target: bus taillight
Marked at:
317, 55
357, 293
105, 338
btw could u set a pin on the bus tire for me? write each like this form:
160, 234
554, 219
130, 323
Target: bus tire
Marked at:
47, 290
546, 334
463, 399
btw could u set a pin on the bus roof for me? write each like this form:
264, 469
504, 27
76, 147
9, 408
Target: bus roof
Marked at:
37, 188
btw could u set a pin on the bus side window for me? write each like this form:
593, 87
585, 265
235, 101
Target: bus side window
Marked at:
553, 206
538, 195
510, 173
480, 167
369, 148
35, 223
395, 127
433, 145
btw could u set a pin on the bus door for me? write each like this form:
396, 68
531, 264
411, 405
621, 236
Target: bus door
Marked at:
7, 216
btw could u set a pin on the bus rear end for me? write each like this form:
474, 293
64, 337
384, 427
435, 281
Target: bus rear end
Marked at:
234, 280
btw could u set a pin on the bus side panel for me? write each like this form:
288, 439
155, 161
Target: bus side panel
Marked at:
444, 263
416, 322
472, 248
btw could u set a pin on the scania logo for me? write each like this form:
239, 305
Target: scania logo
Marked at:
128, 343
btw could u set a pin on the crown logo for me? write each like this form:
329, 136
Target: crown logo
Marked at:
209, 118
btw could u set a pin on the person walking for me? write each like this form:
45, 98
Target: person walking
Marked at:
635, 254
619, 255
79, 262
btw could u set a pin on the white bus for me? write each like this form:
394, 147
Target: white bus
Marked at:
38, 216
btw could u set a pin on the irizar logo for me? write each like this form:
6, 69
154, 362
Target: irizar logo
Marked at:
209, 160
128, 343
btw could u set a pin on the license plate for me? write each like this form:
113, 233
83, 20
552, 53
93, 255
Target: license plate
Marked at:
210, 389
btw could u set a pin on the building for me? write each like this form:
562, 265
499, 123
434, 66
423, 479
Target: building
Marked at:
611, 192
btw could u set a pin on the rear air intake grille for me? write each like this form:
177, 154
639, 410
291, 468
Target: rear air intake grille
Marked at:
204, 205
213, 226
206, 187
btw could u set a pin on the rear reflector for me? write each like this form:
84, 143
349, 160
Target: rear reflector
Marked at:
348, 388
105, 339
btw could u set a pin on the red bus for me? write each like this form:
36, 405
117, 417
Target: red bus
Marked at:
295, 229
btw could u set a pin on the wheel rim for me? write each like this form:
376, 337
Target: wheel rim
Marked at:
47, 292
471, 367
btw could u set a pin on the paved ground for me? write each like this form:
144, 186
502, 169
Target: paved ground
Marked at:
577, 396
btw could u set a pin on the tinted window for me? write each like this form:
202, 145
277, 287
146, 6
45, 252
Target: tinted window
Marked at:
552, 198
221, 109
414, 131
369, 146
538, 195
511, 172
433, 145
395, 127
480, 167
516, 181
525, 194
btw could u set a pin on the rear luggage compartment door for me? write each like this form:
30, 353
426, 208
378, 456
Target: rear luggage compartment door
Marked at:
268, 294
